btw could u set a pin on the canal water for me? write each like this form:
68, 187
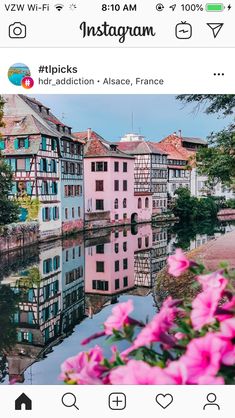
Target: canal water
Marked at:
55, 295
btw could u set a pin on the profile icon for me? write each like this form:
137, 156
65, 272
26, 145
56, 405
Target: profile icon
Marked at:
19, 74
211, 399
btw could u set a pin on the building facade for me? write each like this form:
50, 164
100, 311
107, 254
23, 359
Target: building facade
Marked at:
150, 169
45, 161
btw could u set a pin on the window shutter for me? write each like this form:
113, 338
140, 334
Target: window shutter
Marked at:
16, 143
30, 318
13, 164
16, 317
43, 214
51, 213
30, 295
14, 188
27, 164
26, 143
30, 337
41, 164
29, 188
19, 336
44, 267
2, 144
44, 143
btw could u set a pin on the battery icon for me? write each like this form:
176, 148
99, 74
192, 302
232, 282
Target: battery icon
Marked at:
215, 7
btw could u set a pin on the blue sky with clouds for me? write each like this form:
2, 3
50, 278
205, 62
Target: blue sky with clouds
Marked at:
155, 116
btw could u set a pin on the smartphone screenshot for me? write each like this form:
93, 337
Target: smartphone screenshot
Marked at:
117, 208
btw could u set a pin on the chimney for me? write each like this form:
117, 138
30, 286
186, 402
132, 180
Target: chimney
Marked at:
88, 134
180, 133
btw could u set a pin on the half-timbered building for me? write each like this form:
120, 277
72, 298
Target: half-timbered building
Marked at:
150, 171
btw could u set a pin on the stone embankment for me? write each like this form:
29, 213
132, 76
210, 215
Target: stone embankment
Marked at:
210, 254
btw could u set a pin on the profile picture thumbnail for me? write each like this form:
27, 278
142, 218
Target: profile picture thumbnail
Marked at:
18, 73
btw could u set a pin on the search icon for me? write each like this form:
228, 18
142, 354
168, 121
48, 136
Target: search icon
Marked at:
69, 400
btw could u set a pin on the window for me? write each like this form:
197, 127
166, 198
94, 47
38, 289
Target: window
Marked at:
116, 166
20, 164
124, 167
100, 266
73, 253
125, 263
124, 216
21, 143
146, 202
43, 164
116, 265
139, 243
53, 144
66, 213
116, 248
100, 285
56, 214
116, 234
56, 262
73, 212
99, 204
146, 241
99, 166
47, 266
45, 188
116, 204
124, 185
100, 249
116, 185
125, 232
53, 166
139, 203
67, 256
117, 284
124, 203
116, 217
125, 281
54, 187
79, 212
124, 246
46, 214
99, 185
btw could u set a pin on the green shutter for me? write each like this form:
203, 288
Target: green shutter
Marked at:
50, 265
44, 143
16, 143
43, 214
27, 164
29, 188
14, 188
30, 295
26, 143
2, 144
16, 317
13, 164
30, 318
19, 336
41, 164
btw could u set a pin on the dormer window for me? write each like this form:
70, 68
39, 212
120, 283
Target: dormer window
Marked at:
21, 143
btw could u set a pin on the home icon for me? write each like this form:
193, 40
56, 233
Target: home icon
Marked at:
23, 402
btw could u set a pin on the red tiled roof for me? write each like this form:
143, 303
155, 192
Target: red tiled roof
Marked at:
96, 146
172, 152
140, 147
84, 135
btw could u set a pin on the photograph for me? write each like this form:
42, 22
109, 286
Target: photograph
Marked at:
117, 239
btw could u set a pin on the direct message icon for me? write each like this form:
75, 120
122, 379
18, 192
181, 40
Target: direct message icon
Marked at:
164, 400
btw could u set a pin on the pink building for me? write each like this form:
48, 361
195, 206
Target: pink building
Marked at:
109, 184
110, 265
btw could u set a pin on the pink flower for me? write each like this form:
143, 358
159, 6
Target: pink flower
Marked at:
213, 281
159, 326
178, 263
119, 317
227, 310
84, 369
139, 373
227, 328
210, 380
227, 334
177, 371
204, 307
203, 357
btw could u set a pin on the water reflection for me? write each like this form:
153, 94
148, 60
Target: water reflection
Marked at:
45, 295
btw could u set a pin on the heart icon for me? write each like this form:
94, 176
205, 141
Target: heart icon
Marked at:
164, 400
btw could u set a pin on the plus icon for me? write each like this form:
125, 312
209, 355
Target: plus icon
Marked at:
117, 401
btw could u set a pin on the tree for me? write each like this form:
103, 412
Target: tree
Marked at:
189, 208
218, 160
9, 209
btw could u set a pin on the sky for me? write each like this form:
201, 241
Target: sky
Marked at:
154, 116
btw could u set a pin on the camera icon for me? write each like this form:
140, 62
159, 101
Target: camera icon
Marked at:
17, 30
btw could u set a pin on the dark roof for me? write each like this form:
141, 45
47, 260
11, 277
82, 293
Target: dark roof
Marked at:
192, 140
140, 147
26, 125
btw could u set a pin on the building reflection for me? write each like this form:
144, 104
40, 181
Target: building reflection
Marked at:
62, 282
